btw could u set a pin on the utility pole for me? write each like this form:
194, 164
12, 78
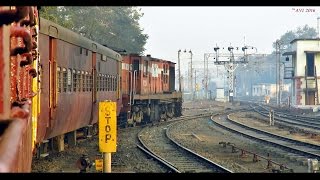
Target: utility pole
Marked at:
278, 43
206, 71
189, 76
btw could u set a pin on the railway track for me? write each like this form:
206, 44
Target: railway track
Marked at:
282, 113
157, 142
299, 148
309, 124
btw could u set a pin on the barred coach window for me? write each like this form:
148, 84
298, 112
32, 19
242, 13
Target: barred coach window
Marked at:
69, 80
74, 79
83, 81
79, 81
64, 79
59, 79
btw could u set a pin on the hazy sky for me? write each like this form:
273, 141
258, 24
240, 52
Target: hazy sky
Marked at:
201, 28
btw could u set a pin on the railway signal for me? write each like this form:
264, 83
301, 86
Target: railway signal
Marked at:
230, 63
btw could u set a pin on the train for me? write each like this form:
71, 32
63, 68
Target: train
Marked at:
52, 80
148, 90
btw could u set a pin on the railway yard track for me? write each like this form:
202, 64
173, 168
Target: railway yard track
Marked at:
307, 124
302, 150
157, 141
192, 144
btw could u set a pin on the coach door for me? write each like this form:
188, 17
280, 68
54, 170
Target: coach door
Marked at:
136, 76
53, 77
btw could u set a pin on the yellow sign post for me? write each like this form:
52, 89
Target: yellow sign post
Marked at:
107, 132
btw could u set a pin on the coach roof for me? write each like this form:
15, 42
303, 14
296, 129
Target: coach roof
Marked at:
52, 29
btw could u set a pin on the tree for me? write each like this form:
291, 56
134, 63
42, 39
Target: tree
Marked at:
112, 26
56, 14
304, 32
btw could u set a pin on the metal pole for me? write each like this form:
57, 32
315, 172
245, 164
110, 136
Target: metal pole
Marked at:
195, 83
277, 72
281, 81
318, 27
191, 74
207, 77
179, 70
204, 74
107, 162
189, 82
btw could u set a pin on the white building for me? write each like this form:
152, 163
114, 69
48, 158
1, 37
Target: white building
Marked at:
267, 89
302, 71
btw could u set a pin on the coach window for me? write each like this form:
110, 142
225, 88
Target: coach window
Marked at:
116, 83
69, 80
58, 79
74, 79
78, 81
80, 50
136, 65
111, 86
108, 82
90, 82
113, 80
99, 83
87, 82
87, 52
107, 77
165, 73
103, 57
105, 82
64, 79
83, 81
102, 82
162, 76
145, 68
